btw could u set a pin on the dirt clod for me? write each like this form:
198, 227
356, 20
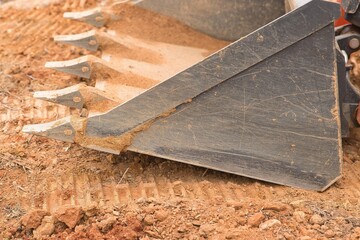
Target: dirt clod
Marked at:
305, 238
70, 215
46, 228
91, 210
106, 224
269, 223
33, 218
206, 229
161, 215
297, 203
299, 216
316, 219
329, 233
256, 219
275, 206
149, 220
80, 228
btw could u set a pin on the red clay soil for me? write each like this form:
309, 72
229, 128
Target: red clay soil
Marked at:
56, 190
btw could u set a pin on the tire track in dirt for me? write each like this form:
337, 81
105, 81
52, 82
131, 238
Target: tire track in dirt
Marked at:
34, 109
85, 189
34, 30
353, 182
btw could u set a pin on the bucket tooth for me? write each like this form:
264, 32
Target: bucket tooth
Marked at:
61, 129
90, 40
77, 96
87, 40
95, 17
70, 96
85, 67
79, 67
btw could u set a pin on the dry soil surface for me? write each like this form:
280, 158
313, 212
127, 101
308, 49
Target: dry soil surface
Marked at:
55, 190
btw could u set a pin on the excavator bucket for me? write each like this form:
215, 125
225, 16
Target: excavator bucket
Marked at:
265, 106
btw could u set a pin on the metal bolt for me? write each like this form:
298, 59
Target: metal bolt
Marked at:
76, 99
354, 43
68, 132
92, 42
85, 69
99, 19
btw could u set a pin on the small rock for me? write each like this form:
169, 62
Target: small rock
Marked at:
241, 221
329, 233
288, 236
161, 215
177, 183
151, 200
6, 235
29, 72
149, 220
316, 219
297, 203
338, 234
206, 229
233, 233
256, 219
340, 220
91, 210
324, 228
107, 209
80, 228
196, 223
280, 237
152, 234
70, 215
275, 207
141, 200
236, 205
242, 213
15, 70
299, 216
33, 218
269, 223
7, 71
46, 228
13, 230
182, 229
107, 224
116, 213
316, 226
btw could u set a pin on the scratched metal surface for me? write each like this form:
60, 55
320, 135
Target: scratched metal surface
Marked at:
228, 20
272, 122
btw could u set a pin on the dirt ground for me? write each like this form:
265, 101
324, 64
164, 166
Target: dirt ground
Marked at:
55, 190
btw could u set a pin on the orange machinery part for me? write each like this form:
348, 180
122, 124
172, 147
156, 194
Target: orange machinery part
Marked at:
341, 21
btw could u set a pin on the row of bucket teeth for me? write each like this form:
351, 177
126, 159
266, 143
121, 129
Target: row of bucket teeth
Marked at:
79, 96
